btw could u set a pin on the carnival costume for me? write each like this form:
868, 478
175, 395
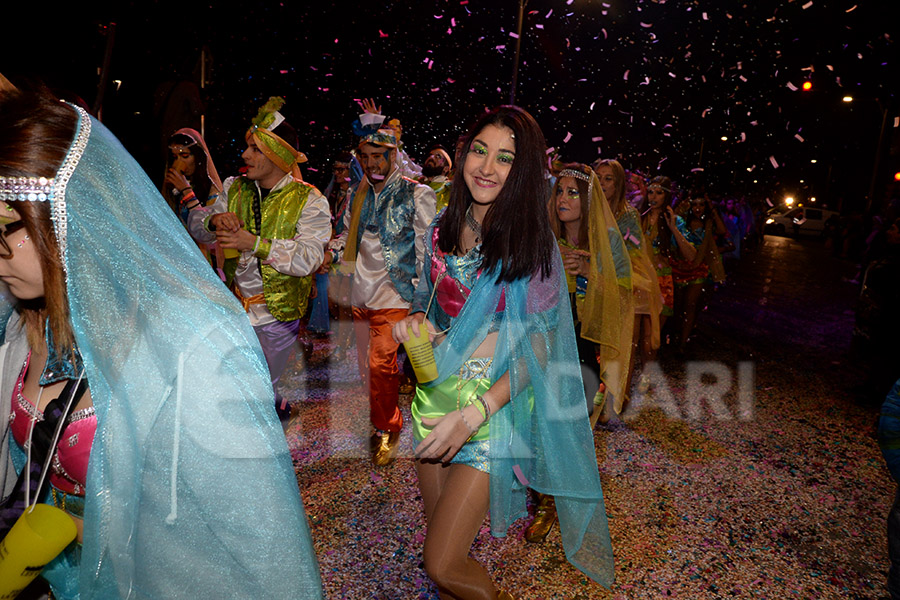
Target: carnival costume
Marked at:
662, 262
382, 245
441, 186
292, 225
603, 302
213, 252
706, 265
541, 438
190, 485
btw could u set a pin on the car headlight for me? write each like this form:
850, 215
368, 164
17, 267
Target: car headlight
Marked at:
769, 221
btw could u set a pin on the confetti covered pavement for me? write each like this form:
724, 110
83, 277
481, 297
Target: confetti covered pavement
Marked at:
776, 491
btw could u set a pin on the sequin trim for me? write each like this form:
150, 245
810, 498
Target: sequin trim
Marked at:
84, 413
58, 197
58, 469
476, 368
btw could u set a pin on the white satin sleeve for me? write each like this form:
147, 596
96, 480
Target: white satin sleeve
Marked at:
302, 254
198, 217
426, 205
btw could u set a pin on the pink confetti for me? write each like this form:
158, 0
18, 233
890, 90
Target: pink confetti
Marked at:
549, 150
697, 170
553, 108
548, 14
797, 135
453, 22
645, 25
513, 35
791, 86
438, 16
807, 5
851, 9
599, 138
382, 34
520, 475
705, 17
626, 74
539, 26
773, 161
568, 137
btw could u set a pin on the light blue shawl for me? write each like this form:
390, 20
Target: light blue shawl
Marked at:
190, 485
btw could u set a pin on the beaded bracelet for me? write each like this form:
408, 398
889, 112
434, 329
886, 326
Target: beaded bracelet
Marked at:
472, 430
487, 409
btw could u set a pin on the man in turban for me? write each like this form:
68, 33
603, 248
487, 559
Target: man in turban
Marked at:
280, 225
383, 246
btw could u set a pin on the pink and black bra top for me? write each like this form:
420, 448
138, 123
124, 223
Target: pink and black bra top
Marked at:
68, 470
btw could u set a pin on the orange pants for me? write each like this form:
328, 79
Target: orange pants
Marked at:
377, 356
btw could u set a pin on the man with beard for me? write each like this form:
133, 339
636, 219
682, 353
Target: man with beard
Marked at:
436, 172
383, 246
280, 225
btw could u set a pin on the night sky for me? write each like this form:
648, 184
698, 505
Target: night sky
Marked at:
648, 82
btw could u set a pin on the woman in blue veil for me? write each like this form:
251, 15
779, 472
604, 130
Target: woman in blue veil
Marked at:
189, 486
507, 410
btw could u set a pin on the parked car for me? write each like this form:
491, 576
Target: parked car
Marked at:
799, 220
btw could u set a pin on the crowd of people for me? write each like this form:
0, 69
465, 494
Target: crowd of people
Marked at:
146, 333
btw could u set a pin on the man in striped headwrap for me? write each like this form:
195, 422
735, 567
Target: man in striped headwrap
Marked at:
383, 245
280, 225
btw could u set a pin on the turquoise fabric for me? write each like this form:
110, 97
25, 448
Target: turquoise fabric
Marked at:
190, 485
547, 443
391, 216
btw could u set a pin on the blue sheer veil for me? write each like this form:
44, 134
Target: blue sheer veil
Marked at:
190, 483
542, 439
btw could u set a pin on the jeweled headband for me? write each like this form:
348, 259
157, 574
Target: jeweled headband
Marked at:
52, 189
34, 189
579, 175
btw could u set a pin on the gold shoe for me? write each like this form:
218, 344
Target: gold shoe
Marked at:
544, 518
385, 447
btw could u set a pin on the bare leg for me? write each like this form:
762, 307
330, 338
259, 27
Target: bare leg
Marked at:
456, 502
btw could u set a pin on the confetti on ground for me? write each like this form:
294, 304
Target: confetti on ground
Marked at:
790, 503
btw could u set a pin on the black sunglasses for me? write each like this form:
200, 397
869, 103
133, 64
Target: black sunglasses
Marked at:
5, 230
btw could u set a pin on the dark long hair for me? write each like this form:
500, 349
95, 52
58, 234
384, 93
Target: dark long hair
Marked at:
36, 130
515, 232
664, 234
200, 182
555, 224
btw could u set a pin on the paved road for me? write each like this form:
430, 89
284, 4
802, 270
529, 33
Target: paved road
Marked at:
775, 489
